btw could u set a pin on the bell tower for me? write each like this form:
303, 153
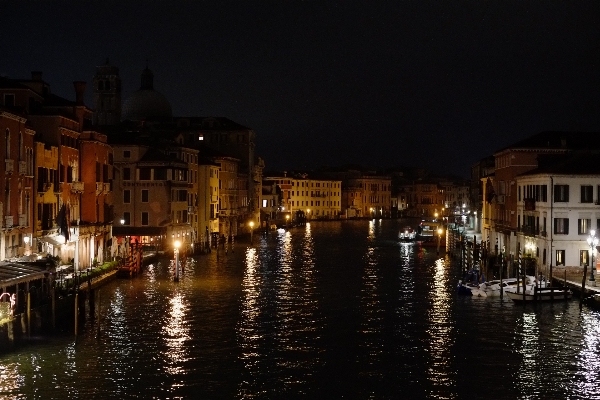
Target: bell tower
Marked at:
107, 95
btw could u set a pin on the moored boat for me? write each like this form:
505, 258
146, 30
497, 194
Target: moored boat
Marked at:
541, 294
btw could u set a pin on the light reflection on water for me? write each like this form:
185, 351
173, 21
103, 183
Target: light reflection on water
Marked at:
330, 310
441, 331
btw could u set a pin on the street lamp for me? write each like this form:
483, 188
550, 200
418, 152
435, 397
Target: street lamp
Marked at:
439, 239
593, 242
26, 241
251, 232
287, 220
176, 251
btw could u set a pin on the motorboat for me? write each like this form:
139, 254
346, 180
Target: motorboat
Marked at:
407, 234
541, 294
471, 284
492, 288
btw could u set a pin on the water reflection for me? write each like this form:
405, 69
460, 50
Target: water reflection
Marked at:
441, 334
177, 332
280, 319
588, 359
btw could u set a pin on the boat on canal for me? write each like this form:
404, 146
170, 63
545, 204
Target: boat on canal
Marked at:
407, 234
541, 294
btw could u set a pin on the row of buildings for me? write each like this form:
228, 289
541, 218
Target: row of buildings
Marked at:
539, 198
83, 184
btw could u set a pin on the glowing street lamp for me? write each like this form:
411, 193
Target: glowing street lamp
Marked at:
251, 232
439, 231
176, 251
593, 242
26, 241
287, 219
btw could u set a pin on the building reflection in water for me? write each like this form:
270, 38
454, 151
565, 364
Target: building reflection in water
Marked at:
372, 315
529, 347
280, 317
10, 378
588, 361
177, 333
441, 334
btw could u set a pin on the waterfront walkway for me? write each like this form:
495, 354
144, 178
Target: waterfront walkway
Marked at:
570, 280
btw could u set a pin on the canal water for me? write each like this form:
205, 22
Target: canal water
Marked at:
332, 310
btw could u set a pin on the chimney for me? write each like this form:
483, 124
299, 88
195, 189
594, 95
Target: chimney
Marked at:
79, 92
36, 75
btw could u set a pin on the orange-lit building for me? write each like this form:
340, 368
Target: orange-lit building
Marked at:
16, 203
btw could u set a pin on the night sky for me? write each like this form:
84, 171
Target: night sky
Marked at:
434, 84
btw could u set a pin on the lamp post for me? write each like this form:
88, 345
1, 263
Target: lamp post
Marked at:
251, 232
26, 241
176, 251
593, 242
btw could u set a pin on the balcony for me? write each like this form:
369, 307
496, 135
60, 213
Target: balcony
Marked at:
529, 204
44, 187
99, 188
77, 187
22, 220
10, 164
530, 230
22, 167
8, 221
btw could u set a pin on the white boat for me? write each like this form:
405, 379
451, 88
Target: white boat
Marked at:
541, 294
471, 286
407, 234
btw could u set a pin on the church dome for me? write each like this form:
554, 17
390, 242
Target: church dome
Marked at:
146, 104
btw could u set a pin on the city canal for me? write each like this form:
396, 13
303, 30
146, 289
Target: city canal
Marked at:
331, 310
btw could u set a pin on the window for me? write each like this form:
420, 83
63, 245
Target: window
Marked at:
561, 193
560, 257
584, 258
145, 218
126, 174
126, 154
144, 195
127, 218
126, 196
583, 226
160, 174
265, 202
561, 226
145, 174
587, 194
9, 100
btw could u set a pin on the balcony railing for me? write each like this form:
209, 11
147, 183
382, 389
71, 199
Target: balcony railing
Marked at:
77, 187
99, 188
22, 167
22, 220
8, 221
10, 164
530, 230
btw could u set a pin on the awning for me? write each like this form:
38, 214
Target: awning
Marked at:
138, 230
53, 240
